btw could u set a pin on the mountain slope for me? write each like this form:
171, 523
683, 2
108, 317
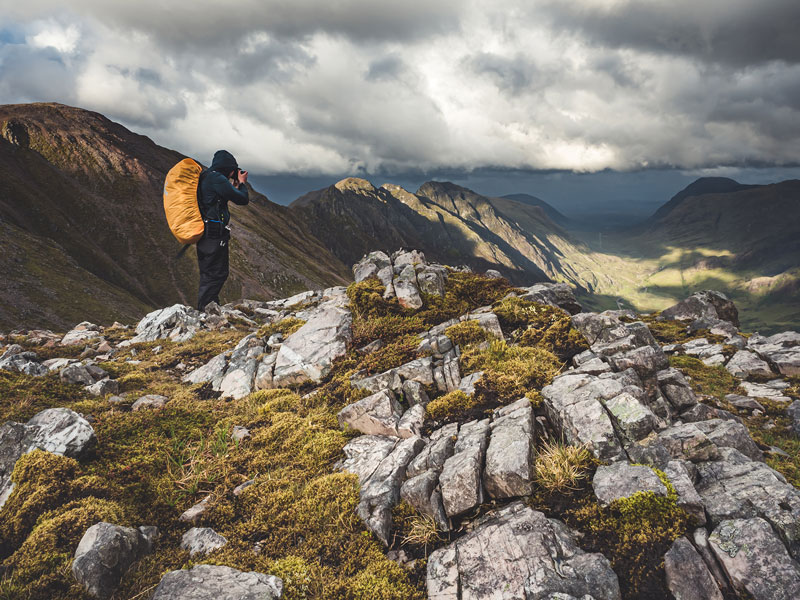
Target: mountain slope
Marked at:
447, 222
81, 206
552, 214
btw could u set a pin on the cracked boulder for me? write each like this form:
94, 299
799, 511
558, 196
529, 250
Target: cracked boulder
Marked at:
688, 577
106, 552
517, 553
308, 354
781, 350
461, 478
380, 463
755, 560
745, 364
509, 461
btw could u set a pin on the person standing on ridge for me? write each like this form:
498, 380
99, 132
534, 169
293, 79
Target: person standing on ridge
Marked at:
223, 182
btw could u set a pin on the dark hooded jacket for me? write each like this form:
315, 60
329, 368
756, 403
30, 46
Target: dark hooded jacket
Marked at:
216, 191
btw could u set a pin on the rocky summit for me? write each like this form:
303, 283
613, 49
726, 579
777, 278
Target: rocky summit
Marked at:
426, 432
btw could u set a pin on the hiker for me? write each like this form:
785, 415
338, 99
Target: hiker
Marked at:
223, 182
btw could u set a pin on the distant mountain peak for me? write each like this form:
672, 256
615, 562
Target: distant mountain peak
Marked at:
355, 184
700, 187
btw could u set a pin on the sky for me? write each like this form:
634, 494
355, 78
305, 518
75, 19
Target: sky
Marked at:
560, 99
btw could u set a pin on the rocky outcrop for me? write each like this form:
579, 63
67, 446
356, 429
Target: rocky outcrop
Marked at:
213, 582
623, 480
707, 304
106, 552
57, 430
781, 350
521, 552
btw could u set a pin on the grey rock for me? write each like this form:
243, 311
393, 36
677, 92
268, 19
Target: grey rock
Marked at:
508, 470
212, 582
781, 350
460, 480
623, 480
688, 577
703, 547
794, 414
238, 380
15, 358
517, 553
688, 498
736, 487
213, 370
431, 280
377, 414
178, 323
370, 264
745, 364
76, 374
82, 333
676, 389
632, 418
193, 513
707, 303
202, 540
105, 553
772, 390
103, 387
553, 294
414, 393
412, 421
730, 434
149, 402
467, 383
688, 442
573, 406
755, 560
405, 288
373, 346
436, 451
381, 491
422, 492
264, 373
308, 354
239, 433
380, 463
744, 402
595, 366
704, 412
243, 486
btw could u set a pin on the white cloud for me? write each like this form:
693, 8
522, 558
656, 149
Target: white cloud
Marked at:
320, 87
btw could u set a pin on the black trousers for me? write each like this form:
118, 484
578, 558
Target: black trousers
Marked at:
212, 258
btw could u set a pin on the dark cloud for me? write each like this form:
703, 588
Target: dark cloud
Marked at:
514, 75
734, 32
385, 68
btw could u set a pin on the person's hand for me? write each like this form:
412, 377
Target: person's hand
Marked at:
242, 177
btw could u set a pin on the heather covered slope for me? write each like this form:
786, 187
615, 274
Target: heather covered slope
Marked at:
82, 215
354, 446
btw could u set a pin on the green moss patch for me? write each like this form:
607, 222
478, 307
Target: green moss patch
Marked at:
713, 381
540, 325
634, 533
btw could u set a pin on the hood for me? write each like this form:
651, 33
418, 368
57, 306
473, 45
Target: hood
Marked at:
224, 162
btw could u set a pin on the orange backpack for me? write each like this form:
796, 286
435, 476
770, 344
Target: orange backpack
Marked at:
180, 201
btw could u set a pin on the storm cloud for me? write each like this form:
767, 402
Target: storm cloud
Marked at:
361, 86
